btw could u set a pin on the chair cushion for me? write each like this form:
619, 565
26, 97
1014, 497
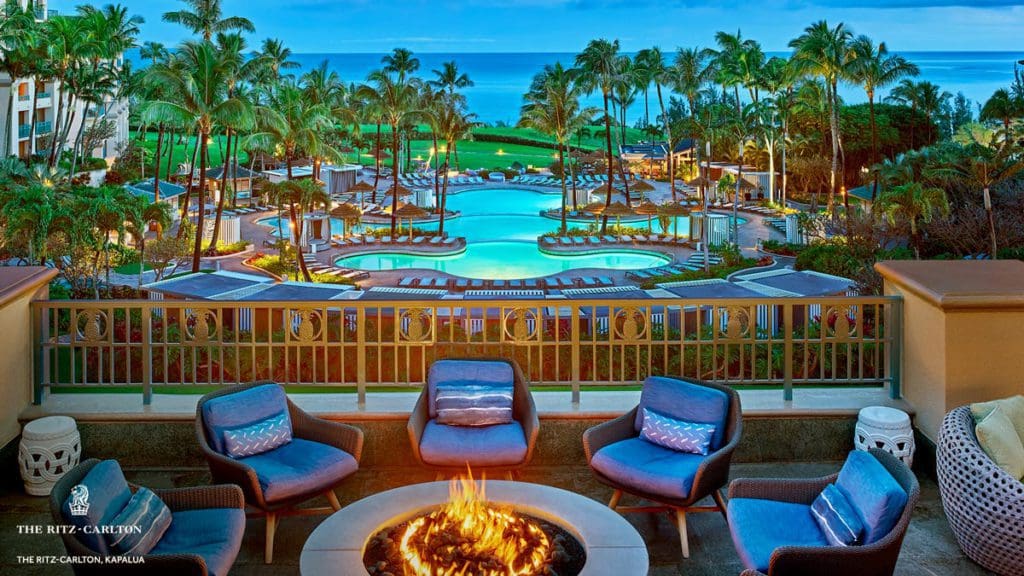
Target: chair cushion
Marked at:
105, 492
837, 518
213, 533
148, 518
876, 496
260, 437
241, 409
678, 435
474, 404
648, 468
300, 467
685, 401
498, 445
758, 527
998, 438
463, 372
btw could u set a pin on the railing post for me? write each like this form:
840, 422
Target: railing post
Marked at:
787, 364
361, 355
147, 352
575, 354
39, 335
895, 346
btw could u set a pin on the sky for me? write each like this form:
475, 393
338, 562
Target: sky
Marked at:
567, 25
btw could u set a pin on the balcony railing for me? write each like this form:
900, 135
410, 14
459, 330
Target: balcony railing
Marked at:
43, 128
575, 344
24, 97
42, 95
24, 130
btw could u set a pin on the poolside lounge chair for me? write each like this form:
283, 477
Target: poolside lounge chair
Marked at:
564, 241
419, 240
577, 241
548, 241
450, 241
640, 275
385, 239
461, 284
436, 241
605, 281
588, 282
515, 284
561, 282
354, 274
370, 239
476, 284
531, 283
609, 239
593, 240
499, 284
408, 282
402, 240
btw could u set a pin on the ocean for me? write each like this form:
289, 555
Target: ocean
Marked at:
502, 78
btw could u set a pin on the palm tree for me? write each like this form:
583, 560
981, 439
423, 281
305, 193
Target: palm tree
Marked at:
916, 204
17, 34
26, 214
875, 68
298, 195
691, 72
1003, 107
925, 97
397, 99
197, 96
449, 79
153, 51
276, 56
598, 69
454, 123
206, 17
549, 107
825, 52
139, 213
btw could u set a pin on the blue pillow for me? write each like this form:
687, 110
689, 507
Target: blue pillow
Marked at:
101, 495
474, 405
139, 525
679, 435
837, 519
258, 438
240, 409
465, 373
876, 496
686, 401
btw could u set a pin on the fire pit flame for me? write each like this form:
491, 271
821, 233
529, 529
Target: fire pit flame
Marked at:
469, 536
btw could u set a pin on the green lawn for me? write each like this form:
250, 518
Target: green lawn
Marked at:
216, 155
131, 268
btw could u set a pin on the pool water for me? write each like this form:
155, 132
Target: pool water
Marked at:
501, 227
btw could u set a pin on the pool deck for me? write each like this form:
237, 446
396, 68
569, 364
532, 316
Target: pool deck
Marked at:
750, 234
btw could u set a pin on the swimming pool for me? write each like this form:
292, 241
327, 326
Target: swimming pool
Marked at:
501, 227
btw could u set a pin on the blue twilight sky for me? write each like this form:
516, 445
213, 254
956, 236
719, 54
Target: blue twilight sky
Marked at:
566, 25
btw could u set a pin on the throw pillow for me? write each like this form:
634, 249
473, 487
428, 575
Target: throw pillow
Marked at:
837, 518
260, 437
140, 524
474, 405
1012, 406
998, 438
679, 435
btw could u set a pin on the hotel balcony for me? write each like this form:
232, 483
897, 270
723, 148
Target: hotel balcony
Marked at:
24, 130
44, 128
944, 334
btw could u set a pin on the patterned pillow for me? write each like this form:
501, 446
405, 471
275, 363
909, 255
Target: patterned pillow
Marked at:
679, 435
837, 518
139, 525
474, 405
260, 437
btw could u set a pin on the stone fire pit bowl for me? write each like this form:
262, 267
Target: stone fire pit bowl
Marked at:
614, 548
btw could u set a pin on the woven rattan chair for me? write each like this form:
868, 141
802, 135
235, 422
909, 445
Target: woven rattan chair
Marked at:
709, 474
984, 504
875, 559
325, 452
190, 507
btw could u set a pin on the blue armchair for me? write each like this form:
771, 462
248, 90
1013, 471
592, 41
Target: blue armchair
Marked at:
619, 457
203, 539
319, 456
776, 533
448, 449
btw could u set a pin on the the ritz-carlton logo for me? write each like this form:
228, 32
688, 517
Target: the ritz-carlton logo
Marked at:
79, 505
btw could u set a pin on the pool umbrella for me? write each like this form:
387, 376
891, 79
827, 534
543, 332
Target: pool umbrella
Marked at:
411, 212
346, 212
647, 209
618, 209
362, 188
675, 210
595, 208
641, 187
401, 190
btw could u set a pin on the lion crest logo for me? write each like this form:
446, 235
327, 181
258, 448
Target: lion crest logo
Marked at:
79, 500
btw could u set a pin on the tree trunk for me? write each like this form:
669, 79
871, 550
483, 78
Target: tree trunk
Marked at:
565, 191
670, 159
991, 224
611, 174
226, 153
188, 186
170, 154
78, 141
444, 190
57, 127
10, 109
705, 233
142, 255
874, 143
736, 200
437, 182
32, 121
833, 122
376, 175
572, 179
156, 176
198, 250
394, 175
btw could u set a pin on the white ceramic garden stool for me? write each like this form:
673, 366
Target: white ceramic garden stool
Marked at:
49, 448
886, 428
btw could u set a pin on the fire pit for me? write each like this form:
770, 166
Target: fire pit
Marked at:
504, 529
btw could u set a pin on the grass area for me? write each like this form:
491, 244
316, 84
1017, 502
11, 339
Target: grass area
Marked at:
216, 151
473, 154
132, 268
